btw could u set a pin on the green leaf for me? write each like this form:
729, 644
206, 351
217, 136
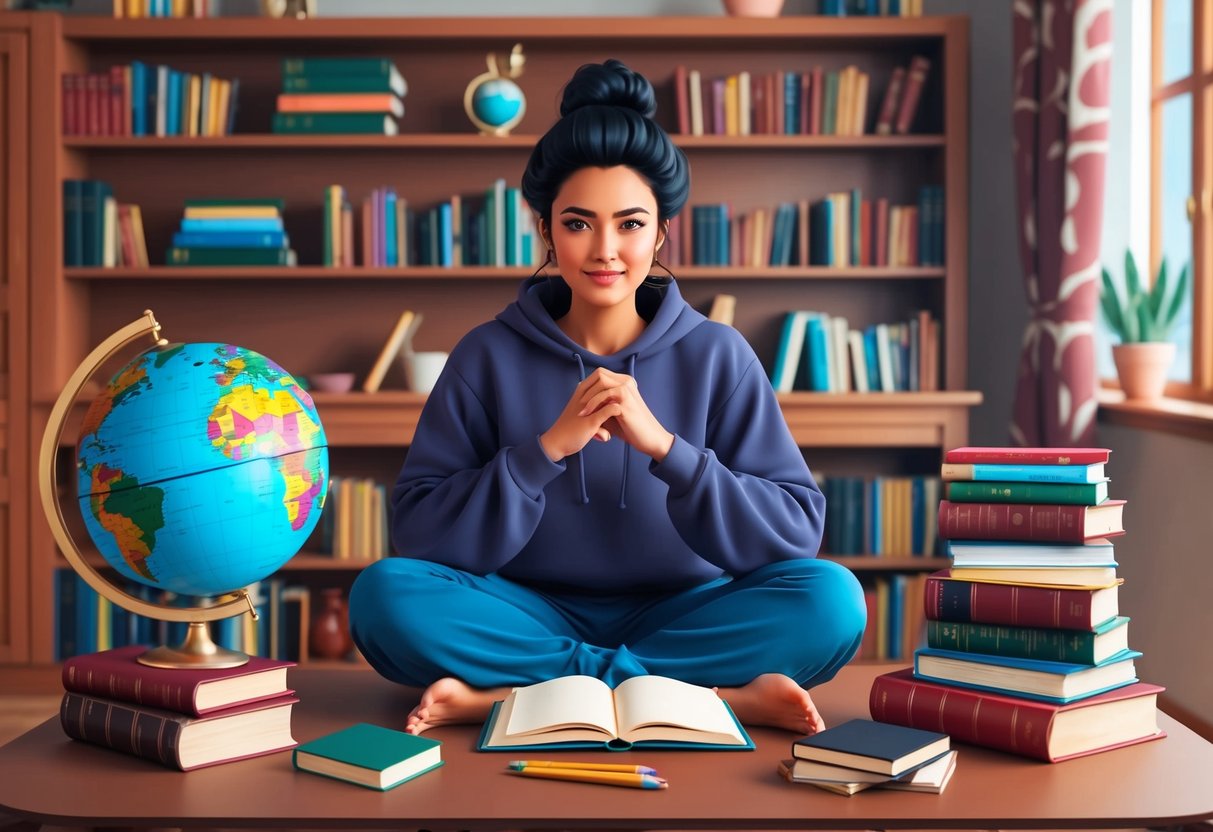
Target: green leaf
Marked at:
1158, 291
1110, 302
1177, 300
1132, 279
1145, 323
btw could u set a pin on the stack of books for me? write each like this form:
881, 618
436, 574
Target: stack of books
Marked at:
182, 719
340, 95
862, 754
98, 230
232, 232
1026, 649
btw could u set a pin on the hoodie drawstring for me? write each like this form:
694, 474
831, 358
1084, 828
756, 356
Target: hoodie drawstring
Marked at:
623, 483
585, 497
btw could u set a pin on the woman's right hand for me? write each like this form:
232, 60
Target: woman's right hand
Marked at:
570, 432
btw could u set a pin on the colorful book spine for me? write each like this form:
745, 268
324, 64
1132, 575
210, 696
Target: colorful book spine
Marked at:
347, 102
1054, 645
320, 123
1005, 723
231, 239
1028, 456
984, 472
1025, 606
1087, 494
359, 67
1015, 521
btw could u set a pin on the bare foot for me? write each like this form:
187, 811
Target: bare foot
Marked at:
449, 702
775, 700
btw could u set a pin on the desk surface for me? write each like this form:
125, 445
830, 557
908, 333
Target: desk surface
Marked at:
47, 777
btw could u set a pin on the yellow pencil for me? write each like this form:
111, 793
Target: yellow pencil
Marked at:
520, 764
603, 778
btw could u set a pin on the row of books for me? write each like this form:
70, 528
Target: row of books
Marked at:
820, 352
142, 100
495, 228
87, 622
870, 8
1026, 648
180, 718
787, 102
896, 623
340, 95
842, 229
881, 516
224, 231
161, 8
97, 229
355, 521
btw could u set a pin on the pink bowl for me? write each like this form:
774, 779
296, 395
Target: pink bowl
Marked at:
332, 382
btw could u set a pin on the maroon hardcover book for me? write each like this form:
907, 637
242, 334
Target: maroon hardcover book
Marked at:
1044, 731
176, 740
1030, 521
115, 674
1016, 605
1027, 456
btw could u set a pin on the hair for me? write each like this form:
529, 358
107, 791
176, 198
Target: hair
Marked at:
606, 119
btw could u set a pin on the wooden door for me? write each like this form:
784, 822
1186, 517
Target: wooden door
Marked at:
15, 451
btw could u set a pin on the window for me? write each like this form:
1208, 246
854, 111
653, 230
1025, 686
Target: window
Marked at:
1181, 179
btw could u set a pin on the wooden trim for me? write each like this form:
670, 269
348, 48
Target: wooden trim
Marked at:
1154, 254
1177, 417
1202, 189
496, 30
955, 327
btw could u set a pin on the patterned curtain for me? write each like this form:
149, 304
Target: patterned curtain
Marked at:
1062, 53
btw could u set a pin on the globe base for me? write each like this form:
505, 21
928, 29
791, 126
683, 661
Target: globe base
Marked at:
197, 651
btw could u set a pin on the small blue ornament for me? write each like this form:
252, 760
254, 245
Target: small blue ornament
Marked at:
493, 102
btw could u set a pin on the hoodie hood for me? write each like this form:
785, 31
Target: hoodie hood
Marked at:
543, 300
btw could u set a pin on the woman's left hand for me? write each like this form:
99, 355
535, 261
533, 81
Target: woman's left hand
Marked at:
636, 425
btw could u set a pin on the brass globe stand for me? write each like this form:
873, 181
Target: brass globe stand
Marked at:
198, 650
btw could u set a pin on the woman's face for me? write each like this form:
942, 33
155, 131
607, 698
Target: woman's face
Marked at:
605, 233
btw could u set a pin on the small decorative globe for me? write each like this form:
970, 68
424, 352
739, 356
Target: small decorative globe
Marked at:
201, 468
498, 101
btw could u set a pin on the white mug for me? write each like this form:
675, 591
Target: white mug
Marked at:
421, 369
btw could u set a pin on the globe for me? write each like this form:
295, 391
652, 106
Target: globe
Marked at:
201, 468
497, 101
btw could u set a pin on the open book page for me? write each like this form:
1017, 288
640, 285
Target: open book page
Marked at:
566, 702
660, 708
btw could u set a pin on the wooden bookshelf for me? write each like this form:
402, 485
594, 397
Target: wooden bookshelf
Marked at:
54, 315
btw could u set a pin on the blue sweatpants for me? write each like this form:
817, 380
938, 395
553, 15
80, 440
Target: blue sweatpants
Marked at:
417, 621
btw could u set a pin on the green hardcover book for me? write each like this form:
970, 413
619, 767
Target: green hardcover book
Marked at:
829, 105
237, 202
380, 67
318, 123
369, 755
230, 257
393, 82
1076, 494
1073, 646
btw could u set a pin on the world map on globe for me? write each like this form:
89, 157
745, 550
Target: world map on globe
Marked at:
201, 468
497, 101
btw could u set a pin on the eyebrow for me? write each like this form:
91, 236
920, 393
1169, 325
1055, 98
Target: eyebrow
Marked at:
586, 212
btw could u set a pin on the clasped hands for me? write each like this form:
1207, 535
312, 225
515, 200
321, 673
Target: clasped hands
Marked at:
606, 404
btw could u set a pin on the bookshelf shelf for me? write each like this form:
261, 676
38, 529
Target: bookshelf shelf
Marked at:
472, 141
55, 315
160, 273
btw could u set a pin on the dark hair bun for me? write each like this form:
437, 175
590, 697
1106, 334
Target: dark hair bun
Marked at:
610, 83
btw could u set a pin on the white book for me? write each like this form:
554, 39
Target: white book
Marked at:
884, 359
859, 365
695, 96
743, 103
838, 347
791, 345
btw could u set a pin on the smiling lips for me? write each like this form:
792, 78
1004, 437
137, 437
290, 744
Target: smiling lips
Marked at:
604, 277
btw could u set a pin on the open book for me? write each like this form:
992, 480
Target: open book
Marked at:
583, 712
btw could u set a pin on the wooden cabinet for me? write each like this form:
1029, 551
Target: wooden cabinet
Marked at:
316, 319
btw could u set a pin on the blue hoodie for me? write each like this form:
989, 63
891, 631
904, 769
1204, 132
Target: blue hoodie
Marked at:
478, 493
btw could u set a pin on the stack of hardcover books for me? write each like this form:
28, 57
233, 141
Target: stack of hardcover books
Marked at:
232, 232
340, 95
1027, 651
182, 719
861, 754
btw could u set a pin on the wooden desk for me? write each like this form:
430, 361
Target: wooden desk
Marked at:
46, 777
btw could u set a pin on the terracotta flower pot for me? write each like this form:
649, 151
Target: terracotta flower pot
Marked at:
753, 8
1142, 368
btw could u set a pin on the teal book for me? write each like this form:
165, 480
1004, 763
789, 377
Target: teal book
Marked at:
320, 83
1073, 646
641, 712
230, 257
1075, 494
1045, 681
378, 124
369, 755
989, 472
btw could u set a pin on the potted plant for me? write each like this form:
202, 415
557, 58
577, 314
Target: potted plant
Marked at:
1143, 319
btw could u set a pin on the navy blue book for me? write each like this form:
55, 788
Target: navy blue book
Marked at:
873, 746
